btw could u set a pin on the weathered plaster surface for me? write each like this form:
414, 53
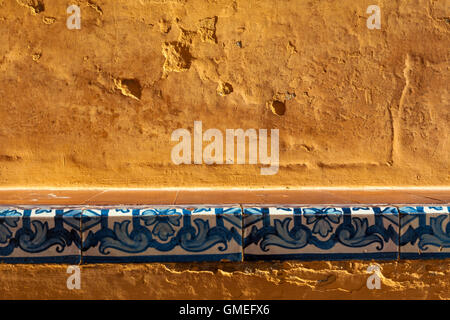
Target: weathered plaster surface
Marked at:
422, 279
97, 106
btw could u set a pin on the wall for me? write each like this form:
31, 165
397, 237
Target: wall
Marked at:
96, 108
422, 279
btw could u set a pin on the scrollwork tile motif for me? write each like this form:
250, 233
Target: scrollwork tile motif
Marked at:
162, 234
328, 233
424, 232
142, 234
40, 235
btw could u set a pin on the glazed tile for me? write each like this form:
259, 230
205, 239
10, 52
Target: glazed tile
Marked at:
425, 232
40, 235
320, 233
165, 234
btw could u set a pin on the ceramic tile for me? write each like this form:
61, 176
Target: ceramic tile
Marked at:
161, 234
40, 235
320, 233
425, 232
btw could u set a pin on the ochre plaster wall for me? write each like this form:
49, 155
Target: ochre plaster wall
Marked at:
362, 107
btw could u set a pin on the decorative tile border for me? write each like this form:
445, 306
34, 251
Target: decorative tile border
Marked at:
325, 233
40, 235
424, 232
210, 233
162, 234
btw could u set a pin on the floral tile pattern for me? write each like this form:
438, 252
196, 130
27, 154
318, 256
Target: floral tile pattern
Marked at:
331, 233
161, 234
175, 234
425, 232
40, 235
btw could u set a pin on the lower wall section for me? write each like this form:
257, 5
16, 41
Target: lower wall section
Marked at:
177, 234
404, 279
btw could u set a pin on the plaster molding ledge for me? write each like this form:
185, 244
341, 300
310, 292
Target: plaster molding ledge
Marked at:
202, 196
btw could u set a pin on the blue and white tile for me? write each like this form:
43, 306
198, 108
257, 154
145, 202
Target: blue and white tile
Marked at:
40, 235
168, 234
320, 233
425, 232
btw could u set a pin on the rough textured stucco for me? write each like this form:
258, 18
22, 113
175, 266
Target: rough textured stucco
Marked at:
265, 280
97, 106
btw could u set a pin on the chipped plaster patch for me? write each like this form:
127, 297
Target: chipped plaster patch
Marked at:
178, 57
129, 88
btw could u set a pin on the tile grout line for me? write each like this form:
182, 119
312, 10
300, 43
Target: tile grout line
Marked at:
399, 232
242, 232
176, 197
81, 236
